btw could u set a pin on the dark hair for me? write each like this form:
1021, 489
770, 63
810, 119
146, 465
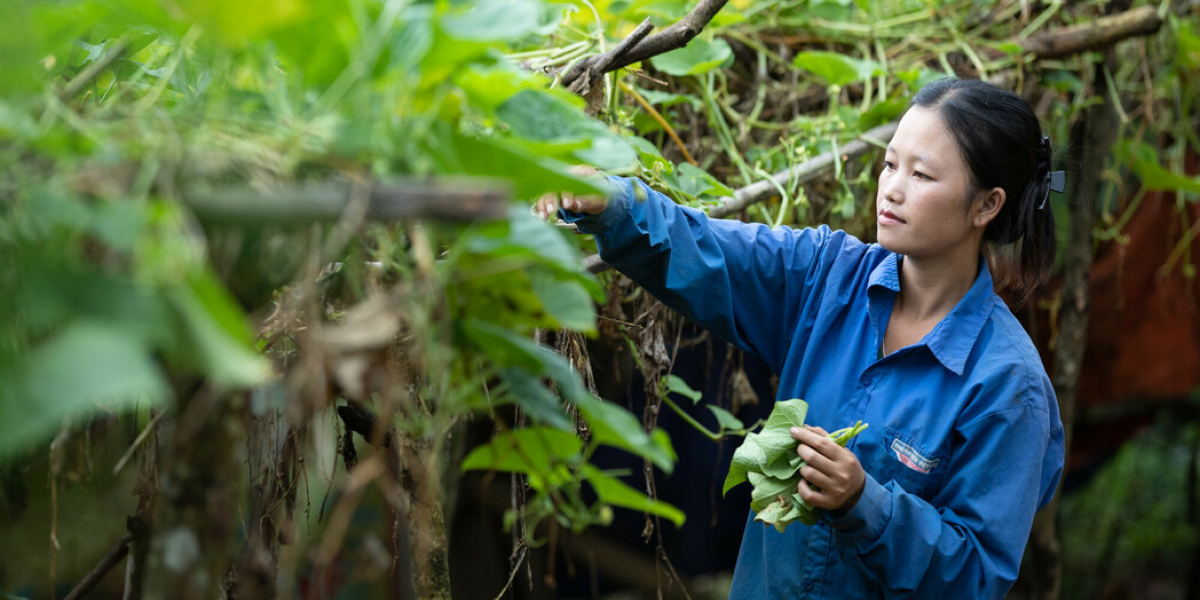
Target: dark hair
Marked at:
1001, 142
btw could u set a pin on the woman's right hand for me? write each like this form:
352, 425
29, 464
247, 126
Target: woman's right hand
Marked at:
548, 204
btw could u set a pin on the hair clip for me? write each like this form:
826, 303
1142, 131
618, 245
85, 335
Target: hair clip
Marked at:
1055, 180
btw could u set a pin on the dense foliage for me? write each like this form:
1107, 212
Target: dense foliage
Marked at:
123, 306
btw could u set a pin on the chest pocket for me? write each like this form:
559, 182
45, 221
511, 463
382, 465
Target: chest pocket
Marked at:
913, 466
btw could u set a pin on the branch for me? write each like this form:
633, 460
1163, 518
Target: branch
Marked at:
106, 564
1094, 35
452, 200
802, 173
88, 75
671, 38
592, 73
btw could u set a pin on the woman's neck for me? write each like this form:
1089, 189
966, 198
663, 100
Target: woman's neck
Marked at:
930, 288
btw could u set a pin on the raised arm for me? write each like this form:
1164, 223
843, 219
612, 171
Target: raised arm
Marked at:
744, 282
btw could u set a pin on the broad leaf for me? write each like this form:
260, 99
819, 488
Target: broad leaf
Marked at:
528, 392
530, 175
726, 418
678, 386
699, 56
86, 363
216, 336
538, 452
565, 300
611, 490
837, 69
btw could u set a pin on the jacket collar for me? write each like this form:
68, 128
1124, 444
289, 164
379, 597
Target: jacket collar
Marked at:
952, 338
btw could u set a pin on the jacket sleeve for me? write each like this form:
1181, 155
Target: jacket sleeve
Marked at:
1005, 466
744, 282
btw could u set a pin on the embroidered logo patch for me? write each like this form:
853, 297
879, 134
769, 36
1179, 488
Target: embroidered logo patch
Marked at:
911, 459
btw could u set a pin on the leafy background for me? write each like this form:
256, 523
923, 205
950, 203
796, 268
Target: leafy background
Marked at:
121, 304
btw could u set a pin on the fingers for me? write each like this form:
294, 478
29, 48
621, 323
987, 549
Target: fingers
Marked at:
832, 477
548, 205
816, 438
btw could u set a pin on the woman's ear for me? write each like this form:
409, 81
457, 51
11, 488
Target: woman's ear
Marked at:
987, 206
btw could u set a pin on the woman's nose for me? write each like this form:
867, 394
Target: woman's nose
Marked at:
892, 188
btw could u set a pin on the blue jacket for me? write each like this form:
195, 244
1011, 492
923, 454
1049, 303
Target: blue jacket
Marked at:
965, 443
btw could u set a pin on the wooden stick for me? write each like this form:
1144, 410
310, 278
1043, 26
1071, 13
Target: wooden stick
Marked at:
446, 199
1095, 35
764, 189
106, 564
88, 75
671, 38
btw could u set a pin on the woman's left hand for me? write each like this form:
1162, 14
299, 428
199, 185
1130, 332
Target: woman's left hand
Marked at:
832, 477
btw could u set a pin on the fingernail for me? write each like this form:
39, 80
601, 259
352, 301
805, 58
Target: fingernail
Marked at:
796, 431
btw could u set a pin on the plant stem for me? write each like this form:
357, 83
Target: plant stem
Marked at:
691, 421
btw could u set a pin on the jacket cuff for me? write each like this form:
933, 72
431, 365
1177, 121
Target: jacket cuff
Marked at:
867, 519
620, 191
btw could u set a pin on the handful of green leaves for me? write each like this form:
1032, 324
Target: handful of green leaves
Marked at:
769, 460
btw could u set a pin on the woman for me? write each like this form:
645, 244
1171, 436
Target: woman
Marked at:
936, 499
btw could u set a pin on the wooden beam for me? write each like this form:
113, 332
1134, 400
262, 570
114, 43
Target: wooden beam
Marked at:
1095, 35
298, 205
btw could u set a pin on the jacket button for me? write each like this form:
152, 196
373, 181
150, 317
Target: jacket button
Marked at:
865, 380
808, 585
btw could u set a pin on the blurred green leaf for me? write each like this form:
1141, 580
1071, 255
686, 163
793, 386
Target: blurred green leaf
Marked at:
537, 452
565, 300
1146, 164
837, 69
535, 398
699, 56
217, 339
496, 20
614, 426
611, 490
87, 362
530, 175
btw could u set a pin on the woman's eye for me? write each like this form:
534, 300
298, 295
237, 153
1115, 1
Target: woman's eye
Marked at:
889, 165
920, 175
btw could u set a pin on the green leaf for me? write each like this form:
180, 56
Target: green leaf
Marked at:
490, 86
566, 300
1187, 43
217, 339
1009, 48
535, 398
614, 426
539, 115
608, 152
650, 155
678, 386
695, 182
837, 69
768, 460
530, 175
88, 362
493, 20
699, 56
539, 452
1146, 164
726, 418
611, 490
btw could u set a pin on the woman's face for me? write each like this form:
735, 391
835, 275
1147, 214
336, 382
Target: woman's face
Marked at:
922, 208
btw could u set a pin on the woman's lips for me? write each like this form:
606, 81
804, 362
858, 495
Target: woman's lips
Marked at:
887, 217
